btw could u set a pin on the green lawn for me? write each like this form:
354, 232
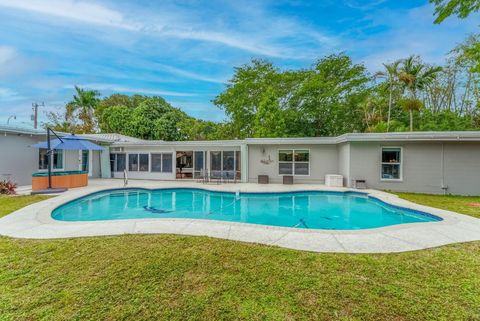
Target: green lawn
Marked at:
9, 204
459, 204
166, 277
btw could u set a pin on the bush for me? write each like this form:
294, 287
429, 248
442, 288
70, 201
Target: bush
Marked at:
7, 187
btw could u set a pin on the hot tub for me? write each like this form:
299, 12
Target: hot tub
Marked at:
61, 179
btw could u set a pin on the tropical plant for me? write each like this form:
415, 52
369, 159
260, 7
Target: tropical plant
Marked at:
411, 105
7, 187
415, 77
84, 102
390, 73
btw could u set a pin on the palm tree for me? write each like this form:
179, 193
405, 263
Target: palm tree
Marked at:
391, 75
415, 77
85, 102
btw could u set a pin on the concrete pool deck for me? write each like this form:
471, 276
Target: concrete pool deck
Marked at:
35, 222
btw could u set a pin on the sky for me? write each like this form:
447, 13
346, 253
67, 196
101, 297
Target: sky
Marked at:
186, 50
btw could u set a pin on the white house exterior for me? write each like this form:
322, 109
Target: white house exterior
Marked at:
424, 162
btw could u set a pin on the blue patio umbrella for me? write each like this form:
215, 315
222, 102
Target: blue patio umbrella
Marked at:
69, 142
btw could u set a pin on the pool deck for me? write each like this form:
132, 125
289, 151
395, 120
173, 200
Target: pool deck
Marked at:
35, 222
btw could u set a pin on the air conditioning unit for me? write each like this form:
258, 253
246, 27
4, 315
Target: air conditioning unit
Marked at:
117, 149
334, 180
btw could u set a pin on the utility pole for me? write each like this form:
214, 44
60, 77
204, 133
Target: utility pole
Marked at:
35, 113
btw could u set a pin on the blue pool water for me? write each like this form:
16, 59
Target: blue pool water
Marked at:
313, 210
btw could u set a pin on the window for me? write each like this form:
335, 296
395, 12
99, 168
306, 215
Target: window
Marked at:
143, 167
138, 162
225, 164
118, 162
43, 159
294, 162
156, 162
301, 162
216, 164
84, 160
391, 163
228, 161
133, 162
162, 163
167, 163
199, 164
238, 164
57, 159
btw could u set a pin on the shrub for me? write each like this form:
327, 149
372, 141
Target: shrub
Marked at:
7, 187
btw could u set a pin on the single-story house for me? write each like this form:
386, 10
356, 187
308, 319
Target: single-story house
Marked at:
422, 162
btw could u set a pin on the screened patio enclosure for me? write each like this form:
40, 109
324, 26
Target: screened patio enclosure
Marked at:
208, 164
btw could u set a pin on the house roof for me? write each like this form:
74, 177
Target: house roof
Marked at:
123, 140
413, 136
112, 138
372, 137
26, 130
181, 143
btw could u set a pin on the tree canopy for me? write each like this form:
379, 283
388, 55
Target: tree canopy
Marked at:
460, 8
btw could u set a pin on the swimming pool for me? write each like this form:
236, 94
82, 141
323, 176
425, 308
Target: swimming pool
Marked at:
307, 210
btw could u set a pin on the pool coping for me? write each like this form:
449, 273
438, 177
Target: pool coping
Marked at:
35, 222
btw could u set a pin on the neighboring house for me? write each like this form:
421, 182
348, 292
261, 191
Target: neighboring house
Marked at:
425, 162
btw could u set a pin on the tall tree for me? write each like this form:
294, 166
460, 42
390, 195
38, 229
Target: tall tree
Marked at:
391, 75
460, 8
84, 102
115, 100
415, 76
327, 100
241, 98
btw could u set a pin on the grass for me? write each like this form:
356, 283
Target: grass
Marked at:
166, 277
459, 204
9, 204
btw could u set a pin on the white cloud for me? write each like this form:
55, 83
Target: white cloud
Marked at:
190, 75
364, 5
260, 33
82, 11
7, 95
6, 54
126, 89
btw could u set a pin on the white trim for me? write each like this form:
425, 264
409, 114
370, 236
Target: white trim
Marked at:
401, 164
